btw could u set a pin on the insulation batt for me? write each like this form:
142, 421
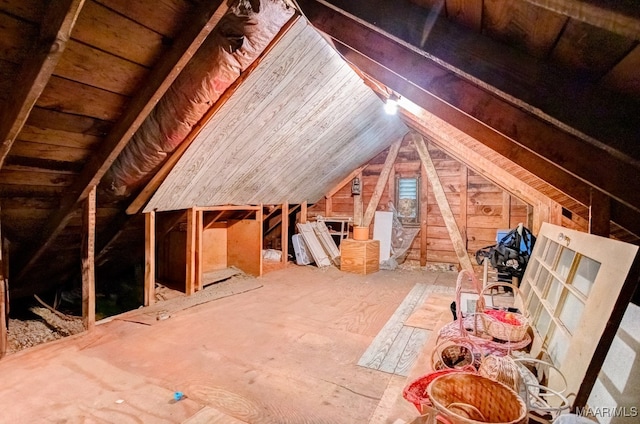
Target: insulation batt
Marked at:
242, 34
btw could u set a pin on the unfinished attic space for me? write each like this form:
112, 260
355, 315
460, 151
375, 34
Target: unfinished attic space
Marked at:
319, 211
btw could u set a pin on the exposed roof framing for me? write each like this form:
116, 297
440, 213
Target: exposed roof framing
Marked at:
59, 20
160, 79
561, 158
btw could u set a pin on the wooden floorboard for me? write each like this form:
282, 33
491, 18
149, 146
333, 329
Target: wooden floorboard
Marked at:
286, 353
397, 345
378, 350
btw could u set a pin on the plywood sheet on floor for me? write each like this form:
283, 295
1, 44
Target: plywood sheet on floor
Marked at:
428, 314
286, 353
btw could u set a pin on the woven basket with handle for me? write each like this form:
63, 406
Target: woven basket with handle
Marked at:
468, 398
475, 326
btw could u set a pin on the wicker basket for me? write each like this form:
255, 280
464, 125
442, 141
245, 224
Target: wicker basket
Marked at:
503, 369
457, 352
503, 330
467, 398
475, 327
416, 391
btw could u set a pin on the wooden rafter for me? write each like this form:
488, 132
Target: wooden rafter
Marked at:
566, 163
382, 182
459, 245
55, 32
159, 81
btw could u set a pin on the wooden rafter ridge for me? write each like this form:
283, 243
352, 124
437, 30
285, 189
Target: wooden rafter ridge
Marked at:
58, 22
159, 81
604, 17
482, 113
145, 194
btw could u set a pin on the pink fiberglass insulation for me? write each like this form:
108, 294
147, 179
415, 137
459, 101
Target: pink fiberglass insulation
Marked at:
242, 34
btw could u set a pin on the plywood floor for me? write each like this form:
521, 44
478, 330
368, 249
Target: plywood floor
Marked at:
286, 352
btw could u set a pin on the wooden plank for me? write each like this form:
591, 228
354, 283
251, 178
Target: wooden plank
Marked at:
599, 214
382, 182
611, 16
534, 29
4, 278
414, 347
149, 258
88, 261
396, 349
443, 204
303, 212
109, 31
192, 252
466, 12
381, 344
284, 233
160, 79
68, 96
199, 285
464, 201
315, 248
244, 245
328, 206
424, 211
59, 21
166, 17
27, 149
88, 65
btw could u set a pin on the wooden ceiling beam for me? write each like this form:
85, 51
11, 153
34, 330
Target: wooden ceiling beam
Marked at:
563, 159
622, 22
55, 32
162, 76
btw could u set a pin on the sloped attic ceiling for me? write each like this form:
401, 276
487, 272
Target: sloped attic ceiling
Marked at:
299, 124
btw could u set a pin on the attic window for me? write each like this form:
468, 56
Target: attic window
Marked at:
408, 200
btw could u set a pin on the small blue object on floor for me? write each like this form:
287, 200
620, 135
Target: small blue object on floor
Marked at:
178, 396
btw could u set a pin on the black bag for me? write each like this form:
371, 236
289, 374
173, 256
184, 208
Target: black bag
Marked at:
511, 254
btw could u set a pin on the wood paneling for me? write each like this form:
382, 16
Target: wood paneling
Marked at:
531, 28
99, 69
109, 31
244, 245
312, 108
68, 96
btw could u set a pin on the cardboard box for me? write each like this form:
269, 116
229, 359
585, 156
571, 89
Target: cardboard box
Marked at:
360, 256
